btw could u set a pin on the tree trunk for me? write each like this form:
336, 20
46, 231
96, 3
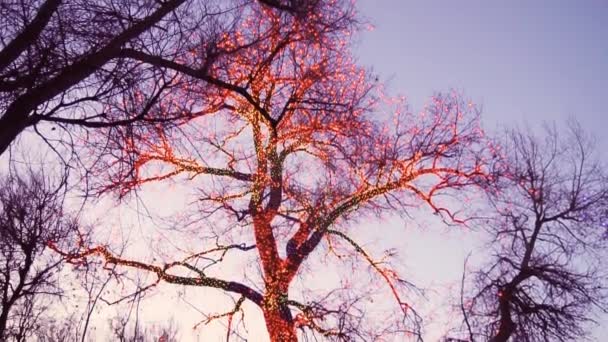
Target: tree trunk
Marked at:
11, 125
504, 332
507, 326
279, 327
3, 323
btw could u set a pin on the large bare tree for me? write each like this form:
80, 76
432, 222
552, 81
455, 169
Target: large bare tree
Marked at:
544, 280
290, 143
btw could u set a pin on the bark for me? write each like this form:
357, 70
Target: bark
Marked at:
3, 322
11, 125
507, 326
279, 323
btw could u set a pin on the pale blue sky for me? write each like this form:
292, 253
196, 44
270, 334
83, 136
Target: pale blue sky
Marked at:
538, 60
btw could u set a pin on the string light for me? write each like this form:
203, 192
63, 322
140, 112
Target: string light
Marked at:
292, 87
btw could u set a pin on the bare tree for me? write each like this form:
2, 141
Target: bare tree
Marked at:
93, 285
57, 330
69, 61
291, 149
544, 280
60, 55
123, 332
31, 217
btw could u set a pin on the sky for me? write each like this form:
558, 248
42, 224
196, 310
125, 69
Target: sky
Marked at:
523, 62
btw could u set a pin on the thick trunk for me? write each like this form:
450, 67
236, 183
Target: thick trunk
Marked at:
280, 328
3, 323
507, 326
279, 321
11, 125
504, 332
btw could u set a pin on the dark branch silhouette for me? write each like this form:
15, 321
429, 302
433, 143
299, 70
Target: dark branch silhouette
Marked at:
542, 283
64, 61
31, 215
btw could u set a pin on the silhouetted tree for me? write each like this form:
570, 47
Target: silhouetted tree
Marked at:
545, 279
124, 332
57, 330
31, 216
69, 61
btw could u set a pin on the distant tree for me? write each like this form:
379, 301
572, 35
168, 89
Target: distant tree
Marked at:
292, 147
123, 331
31, 216
545, 278
57, 330
66, 61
